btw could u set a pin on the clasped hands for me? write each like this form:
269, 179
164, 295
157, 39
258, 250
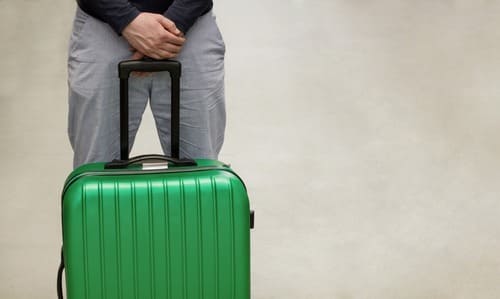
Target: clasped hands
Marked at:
153, 35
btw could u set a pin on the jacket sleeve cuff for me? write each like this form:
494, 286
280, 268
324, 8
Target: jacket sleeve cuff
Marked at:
123, 19
184, 15
181, 23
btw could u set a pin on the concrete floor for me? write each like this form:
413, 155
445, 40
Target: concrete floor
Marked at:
367, 132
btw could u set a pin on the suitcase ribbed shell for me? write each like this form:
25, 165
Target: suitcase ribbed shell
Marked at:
175, 234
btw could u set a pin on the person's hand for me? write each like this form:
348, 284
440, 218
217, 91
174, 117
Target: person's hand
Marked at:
154, 36
137, 56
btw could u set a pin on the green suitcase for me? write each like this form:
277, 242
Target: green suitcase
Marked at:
152, 226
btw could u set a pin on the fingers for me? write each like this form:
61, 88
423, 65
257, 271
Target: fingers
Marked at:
138, 55
169, 47
169, 25
162, 50
174, 35
168, 37
154, 35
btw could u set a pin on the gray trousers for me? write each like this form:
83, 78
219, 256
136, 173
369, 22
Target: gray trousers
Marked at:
93, 120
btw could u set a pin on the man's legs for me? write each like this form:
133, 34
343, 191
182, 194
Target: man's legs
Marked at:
93, 120
203, 115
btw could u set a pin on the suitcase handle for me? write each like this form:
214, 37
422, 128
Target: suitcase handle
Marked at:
148, 65
119, 164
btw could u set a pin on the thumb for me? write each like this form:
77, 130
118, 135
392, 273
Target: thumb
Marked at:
169, 25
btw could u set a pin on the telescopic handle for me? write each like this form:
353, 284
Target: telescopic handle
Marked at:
149, 65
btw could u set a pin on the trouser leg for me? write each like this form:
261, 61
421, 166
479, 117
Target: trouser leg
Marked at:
93, 119
203, 115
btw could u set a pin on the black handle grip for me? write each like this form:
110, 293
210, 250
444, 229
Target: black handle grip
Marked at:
119, 164
149, 65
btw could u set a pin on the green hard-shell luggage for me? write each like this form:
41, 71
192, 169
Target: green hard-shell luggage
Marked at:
152, 226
